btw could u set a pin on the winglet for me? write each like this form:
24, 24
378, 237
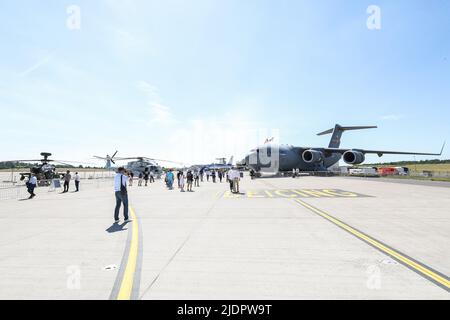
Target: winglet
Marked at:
443, 147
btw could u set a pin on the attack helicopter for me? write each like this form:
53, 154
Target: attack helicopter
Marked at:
44, 171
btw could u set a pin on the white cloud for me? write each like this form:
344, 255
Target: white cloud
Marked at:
149, 89
159, 112
36, 66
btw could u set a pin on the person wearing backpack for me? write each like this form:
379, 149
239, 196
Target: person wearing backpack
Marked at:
120, 190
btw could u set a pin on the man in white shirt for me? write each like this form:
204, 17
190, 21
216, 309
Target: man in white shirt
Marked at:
120, 189
77, 179
236, 175
230, 179
31, 184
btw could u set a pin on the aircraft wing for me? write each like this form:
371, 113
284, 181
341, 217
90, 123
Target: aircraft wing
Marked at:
381, 153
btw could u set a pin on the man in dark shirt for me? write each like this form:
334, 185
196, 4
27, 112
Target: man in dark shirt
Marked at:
67, 178
146, 176
190, 180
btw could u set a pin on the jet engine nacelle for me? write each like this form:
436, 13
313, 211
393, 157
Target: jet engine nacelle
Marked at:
312, 156
353, 157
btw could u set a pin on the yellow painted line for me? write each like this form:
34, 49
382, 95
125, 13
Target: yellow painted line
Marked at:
442, 280
126, 287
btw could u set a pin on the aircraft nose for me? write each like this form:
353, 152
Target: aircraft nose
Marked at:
250, 159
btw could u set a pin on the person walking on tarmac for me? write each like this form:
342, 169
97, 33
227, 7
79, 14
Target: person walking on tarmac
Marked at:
152, 177
31, 184
67, 178
130, 176
181, 181
235, 175
169, 179
190, 180
141, 176
179, 174
196, 179
120, 190
230, 179
146, 176
77, 179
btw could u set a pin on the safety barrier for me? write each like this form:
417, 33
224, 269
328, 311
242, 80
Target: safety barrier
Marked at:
11, 191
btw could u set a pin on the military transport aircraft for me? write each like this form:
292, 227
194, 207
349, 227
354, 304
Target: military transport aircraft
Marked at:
220, 165
283, 158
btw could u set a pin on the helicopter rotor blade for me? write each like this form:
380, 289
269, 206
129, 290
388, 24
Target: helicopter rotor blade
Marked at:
65, 164
72, 163
114, 154
170, 161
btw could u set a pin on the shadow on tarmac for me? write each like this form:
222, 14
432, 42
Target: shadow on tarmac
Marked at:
116, 227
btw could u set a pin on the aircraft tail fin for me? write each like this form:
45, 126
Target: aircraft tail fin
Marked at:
337, 131
231, 160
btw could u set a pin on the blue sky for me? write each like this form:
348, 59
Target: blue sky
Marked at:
195, 80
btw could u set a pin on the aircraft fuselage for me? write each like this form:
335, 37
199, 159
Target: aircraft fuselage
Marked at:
274, 158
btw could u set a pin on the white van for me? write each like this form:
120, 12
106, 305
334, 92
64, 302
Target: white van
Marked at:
365, 172
402, 171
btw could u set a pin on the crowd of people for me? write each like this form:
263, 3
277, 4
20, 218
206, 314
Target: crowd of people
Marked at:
67, 177
188, 179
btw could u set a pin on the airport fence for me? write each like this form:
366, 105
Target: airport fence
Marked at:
18, 190
430, 174
411, 174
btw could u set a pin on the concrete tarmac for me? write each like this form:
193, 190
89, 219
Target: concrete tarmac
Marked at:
282, 238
